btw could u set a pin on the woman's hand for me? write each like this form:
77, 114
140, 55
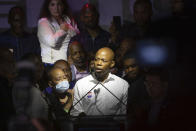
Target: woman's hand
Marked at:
64, 100
64, 26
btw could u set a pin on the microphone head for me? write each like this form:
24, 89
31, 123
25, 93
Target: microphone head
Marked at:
96, 91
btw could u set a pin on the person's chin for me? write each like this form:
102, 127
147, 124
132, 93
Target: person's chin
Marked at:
80, 64
99, 72
90, 26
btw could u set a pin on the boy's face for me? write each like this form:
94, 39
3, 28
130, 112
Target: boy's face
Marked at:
57, 76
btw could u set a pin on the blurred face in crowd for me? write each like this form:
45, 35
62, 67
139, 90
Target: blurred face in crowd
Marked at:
77, 54
142, 14
103, 62
89, 18
17, 21
130, 67
39, 68
65, 67
124, 47
7, 65
155, 87
112, 28
178, 6
92, 66
57, 76
56, 8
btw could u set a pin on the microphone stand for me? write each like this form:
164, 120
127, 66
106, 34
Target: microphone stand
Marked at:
86, 94
96, 94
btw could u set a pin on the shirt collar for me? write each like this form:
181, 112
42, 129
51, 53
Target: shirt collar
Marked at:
109, 78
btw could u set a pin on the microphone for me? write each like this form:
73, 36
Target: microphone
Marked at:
93, 74
96, 91
85, 95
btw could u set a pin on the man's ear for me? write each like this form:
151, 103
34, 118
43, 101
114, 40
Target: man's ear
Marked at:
112, 64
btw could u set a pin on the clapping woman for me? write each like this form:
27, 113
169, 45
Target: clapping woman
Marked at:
55, 29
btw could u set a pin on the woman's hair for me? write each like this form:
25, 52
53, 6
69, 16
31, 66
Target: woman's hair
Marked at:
46, 13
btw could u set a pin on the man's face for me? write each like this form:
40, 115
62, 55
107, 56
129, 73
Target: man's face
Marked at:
77, 55
57, 76
177, 6
130, 67
17, 23
66, 69
102, 63
142, 14
89, 18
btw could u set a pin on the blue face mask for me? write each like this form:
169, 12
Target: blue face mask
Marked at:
62, 86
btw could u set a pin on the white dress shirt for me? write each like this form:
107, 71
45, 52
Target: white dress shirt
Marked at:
100, 101
53, 40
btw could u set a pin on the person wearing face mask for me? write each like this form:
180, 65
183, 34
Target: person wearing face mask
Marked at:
61, 97
55, 29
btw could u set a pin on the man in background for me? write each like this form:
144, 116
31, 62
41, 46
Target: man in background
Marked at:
101, 93
16, 38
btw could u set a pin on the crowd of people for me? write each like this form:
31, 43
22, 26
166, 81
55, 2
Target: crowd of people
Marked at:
142, 70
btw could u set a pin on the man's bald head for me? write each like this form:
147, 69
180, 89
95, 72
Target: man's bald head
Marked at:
103, 63
61, 62
77, 54
106, 51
